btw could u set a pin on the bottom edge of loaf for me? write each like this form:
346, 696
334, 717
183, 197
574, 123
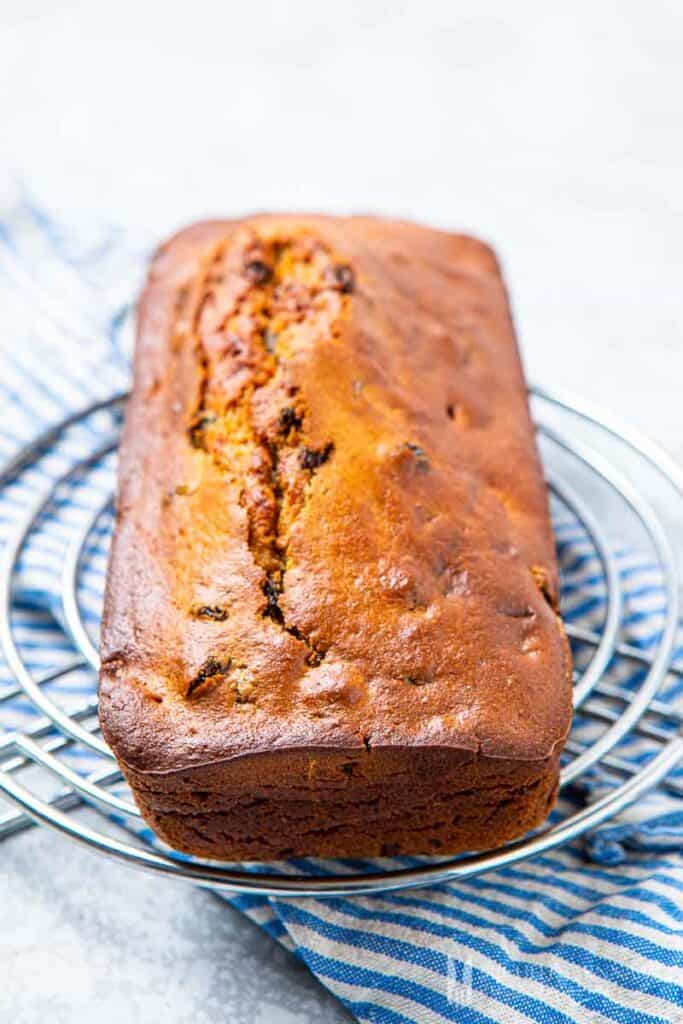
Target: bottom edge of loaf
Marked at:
398, 823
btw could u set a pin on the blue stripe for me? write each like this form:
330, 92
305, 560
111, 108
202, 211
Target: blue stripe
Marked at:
431, 959
567, 911
558, 867
583, 608
396, 985
338, 970
619, 881
630, 978
572, 565
633, 618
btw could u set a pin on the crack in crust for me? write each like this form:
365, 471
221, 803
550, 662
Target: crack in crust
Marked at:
259, 300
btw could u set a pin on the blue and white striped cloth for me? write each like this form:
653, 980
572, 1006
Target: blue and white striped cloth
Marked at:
589, 933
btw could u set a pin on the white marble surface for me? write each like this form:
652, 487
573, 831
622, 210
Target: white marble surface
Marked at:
84, 941
553, 130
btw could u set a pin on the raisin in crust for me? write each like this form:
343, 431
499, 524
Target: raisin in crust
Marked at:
331, 620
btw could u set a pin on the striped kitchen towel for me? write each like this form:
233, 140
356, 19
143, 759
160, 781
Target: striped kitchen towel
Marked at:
589, 933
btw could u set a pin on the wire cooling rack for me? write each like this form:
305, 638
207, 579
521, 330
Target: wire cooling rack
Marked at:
58, 765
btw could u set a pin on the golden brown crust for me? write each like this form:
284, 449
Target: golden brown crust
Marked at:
332, 542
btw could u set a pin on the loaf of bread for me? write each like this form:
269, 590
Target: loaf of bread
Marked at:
331, 622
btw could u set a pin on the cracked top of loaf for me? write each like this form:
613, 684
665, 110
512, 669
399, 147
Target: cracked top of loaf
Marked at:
332, 528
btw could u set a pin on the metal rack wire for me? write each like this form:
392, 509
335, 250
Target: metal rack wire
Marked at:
579, 447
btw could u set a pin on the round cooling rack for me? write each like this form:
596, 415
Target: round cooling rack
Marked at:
55, 768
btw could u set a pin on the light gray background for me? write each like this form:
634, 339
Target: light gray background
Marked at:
555, 131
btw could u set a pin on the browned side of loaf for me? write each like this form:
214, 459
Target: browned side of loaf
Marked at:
431, 807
